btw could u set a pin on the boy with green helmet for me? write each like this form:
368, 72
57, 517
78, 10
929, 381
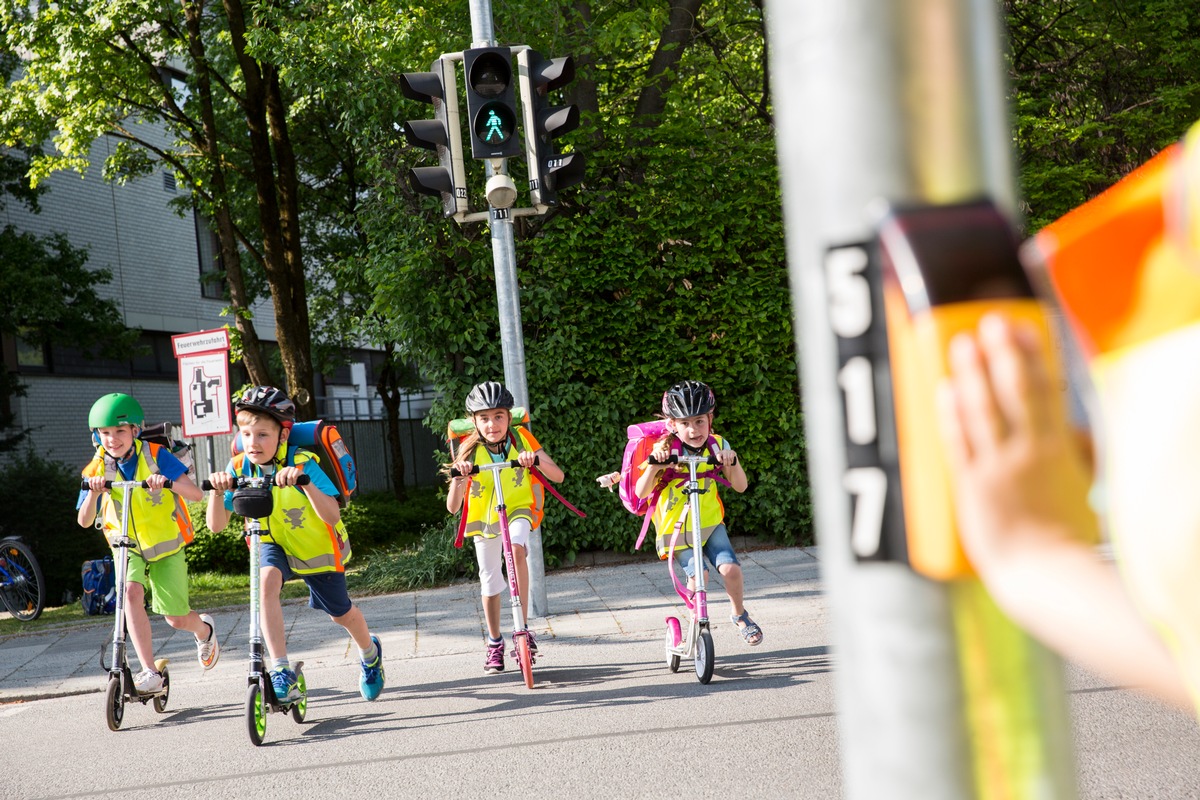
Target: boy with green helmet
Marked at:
160, 530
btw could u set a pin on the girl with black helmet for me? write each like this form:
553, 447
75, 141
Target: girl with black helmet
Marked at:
495, 439
688, 407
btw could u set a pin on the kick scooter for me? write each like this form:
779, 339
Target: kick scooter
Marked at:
120, 678
698, 645
520, 634
252, 500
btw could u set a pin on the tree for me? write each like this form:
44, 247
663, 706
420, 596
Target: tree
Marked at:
97, 68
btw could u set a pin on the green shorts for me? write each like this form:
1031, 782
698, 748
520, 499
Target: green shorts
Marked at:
168, 580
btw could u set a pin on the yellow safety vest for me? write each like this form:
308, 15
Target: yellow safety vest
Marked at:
672, 501
523, 495
159, 526
311, 545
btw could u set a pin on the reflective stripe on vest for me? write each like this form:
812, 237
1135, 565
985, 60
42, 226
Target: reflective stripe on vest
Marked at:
158, 528
311, 545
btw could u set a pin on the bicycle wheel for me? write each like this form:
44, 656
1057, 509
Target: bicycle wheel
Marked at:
300, 707
706, 658
24, 590
114, 703
256, 714
674, 636
524, 658
160, 700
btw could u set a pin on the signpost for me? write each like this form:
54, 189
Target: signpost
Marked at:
204, 403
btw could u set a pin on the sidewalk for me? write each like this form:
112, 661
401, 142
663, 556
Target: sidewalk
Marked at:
585, 604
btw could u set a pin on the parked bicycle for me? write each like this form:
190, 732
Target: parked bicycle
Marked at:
22, 587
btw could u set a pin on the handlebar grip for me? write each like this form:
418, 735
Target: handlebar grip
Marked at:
85, 485
671, 459
514, 464
303, 480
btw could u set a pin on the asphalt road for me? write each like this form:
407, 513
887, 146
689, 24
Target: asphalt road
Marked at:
606, 719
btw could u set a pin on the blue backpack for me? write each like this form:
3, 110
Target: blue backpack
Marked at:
99, 587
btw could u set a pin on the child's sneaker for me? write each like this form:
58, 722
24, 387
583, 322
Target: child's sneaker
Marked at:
495, 659
284, 682
371, 682
148, 682
209, 650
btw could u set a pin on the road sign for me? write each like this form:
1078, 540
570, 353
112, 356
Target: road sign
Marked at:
204, 391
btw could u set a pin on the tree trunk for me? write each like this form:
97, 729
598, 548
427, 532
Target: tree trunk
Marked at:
252, 356
279, 225
671, 44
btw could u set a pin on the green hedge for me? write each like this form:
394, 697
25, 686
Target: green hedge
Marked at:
39, 499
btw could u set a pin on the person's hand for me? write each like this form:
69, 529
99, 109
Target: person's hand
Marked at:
96, 484
526, 458
287, 476
221, 481
727, 457
461, 469
1017, 471
156, 481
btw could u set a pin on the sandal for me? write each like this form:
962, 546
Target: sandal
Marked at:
747, 628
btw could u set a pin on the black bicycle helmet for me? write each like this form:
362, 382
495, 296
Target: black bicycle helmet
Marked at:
489, 394
270, 401
688, 399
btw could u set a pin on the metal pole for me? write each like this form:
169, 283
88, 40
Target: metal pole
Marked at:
901, 100
508, 302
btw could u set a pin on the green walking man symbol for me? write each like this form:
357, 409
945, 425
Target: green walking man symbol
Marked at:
494, 127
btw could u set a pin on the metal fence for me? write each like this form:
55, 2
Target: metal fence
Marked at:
367, 440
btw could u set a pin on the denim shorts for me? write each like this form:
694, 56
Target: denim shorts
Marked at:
718, 551
326, 590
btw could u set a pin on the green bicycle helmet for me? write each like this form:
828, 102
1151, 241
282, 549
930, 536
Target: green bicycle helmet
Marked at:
116, 409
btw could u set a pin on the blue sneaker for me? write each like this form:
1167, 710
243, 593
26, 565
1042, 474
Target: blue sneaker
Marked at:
284, 682
371, 682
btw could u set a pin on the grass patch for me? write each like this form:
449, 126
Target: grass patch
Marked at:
432, 561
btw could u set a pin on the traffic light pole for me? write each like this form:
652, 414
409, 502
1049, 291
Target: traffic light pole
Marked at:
901, 100
508, 301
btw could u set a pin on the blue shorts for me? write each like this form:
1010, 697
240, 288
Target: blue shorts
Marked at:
718, 551
326, 590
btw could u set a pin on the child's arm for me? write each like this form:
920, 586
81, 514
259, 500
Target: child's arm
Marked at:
732, 469
324, 505
649, 479
545, 464
458, 485
216, 516
1020, 487
87, 511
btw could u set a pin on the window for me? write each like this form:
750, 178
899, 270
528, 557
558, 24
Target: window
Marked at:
212, 268
169, 181
31, 357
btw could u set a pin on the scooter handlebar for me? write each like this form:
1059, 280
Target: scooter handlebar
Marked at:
675, 458
109, 484
514, 464
207, 486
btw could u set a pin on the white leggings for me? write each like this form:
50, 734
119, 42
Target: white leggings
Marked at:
490, 555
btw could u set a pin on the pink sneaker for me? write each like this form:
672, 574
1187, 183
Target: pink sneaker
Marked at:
495, 659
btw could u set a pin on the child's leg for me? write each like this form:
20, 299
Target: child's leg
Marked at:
271, 616
137, 623
518, 531
489, 555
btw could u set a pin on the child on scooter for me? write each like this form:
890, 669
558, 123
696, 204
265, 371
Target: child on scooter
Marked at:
490, 405
159, 529
688, 407
304, 536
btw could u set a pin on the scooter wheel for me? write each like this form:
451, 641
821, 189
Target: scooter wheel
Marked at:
674, 637
160, 700
706, 658
525, 658
300, 707
114, 703
256, 714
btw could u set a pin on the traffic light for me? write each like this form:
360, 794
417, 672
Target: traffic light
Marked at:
491, 102
549, 171
441, 134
